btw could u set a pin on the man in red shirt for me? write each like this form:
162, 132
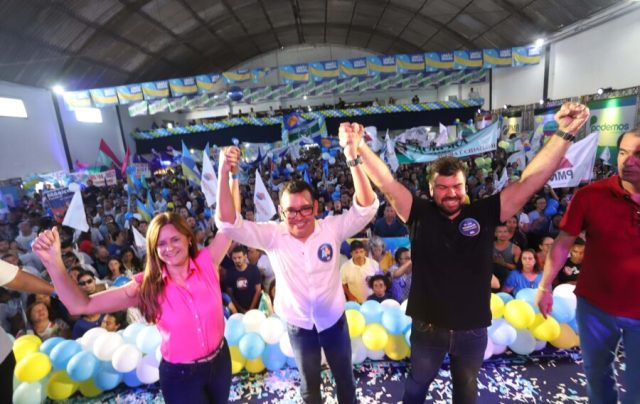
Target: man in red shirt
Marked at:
608, 300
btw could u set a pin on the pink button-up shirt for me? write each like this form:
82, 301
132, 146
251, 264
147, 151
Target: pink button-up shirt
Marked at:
192, 321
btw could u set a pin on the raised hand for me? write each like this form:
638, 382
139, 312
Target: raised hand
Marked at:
229, 159
350, 135
571, 117
47, 246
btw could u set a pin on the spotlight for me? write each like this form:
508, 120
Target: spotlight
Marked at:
539, 42
541, 102
506, 106
58, 89
603, 90
305, 97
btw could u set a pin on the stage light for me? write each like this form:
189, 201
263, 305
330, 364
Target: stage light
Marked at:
169, 125
58, 89
603, 90
304, 97
539, 43
541, 102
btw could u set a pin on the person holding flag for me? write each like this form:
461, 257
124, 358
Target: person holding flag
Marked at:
304, 255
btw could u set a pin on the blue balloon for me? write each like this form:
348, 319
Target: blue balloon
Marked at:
251, 345
49, 344
407, 337
62, 353
529, 296
562, 310
352, 306
273, 358
291, 362
130, 333
235, 94
506, 298
82, 366
372, 311
131, 379
233, 331
574, 325
407, 321
107, 377
552, 207
128, 216
392, 320
120, 280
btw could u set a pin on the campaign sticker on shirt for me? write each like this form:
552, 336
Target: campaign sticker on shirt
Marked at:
325, 252
469, 227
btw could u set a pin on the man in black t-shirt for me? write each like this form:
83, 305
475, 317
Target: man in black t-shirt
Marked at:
451, 248
571, 268
243, 281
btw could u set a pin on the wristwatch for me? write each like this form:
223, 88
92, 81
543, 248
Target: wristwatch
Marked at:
353, 163
566, 135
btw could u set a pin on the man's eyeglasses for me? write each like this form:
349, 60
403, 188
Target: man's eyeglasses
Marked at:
304, 211
87, 282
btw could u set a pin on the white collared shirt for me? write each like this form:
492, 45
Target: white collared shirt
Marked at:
309, 285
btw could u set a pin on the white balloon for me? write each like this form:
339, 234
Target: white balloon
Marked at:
524, 343
271, 330
540, 345
488, 351
126, 358
89, 338
131, 332
28, 393
499, 349
252, 320
375, 355
358, 350
332, 160
390, 303
285, 345
106, 344
239, 316
148, 339
403, 306
158, 354
147, 370
566, 290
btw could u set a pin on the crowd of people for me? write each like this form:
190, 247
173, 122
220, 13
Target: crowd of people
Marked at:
235, 263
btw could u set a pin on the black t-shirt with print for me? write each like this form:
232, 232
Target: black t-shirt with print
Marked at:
452, 263
243, 284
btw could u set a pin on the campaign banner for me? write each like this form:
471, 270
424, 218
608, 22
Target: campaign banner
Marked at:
161, 105
371, 83
237, 76
178, 104
76, 99
467, 59
480, 142
264, 75
295, 127
294, 73
105, 178
197, 101
349, 84
577, 164
56, 201
183, 86
138, 109
326, 87
129, 94
208, 83
413, 63
322, 71
612, 117
265, 93
497, 58
526, 55
381, 65
434, 61
104, 97
544, 126
142, 170
353, 68
155, 90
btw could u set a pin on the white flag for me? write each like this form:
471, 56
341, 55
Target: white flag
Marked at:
390, 153
605, 156
371, 137
577, 164
209, 181
265, 209
502, 182
519, 158
76, 217
139, 241
443, 136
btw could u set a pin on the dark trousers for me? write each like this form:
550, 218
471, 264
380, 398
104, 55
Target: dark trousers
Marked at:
336, 343
6, 379
429, 345
194, 383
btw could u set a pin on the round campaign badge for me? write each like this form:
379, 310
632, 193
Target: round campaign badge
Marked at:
325, 252
469, 227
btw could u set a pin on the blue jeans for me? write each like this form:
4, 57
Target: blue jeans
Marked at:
195, 383
429, 345
336, 343
600, 335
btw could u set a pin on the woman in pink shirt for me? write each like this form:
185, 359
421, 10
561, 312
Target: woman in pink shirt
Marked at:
179, 290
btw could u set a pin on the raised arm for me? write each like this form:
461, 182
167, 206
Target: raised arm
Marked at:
25, 282
363, 191
227, 204
570, 119
47, 247
378, 172
552, 265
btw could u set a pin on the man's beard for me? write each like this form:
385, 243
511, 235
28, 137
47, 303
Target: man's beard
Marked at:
448, 211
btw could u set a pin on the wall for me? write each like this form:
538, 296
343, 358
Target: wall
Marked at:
517, 85
34, 144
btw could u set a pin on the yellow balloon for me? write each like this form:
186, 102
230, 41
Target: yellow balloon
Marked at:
89, 389
567, 338
61, 386
539, 319
237, 360
375, 337
33, 367
396, 348
356, 322
497, 307
548, 330
519, 313
254, 365
26, 344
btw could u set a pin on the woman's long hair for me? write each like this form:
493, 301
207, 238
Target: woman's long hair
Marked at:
152, 287
536, 267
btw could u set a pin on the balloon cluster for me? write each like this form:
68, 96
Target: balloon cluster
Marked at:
96, 362
519, 325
